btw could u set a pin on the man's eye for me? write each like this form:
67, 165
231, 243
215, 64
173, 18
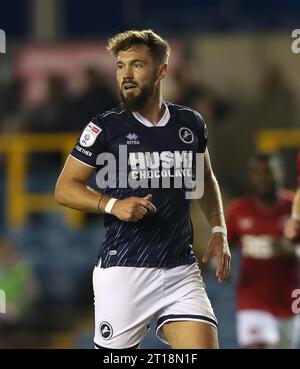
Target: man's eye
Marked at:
137, 65
119, 66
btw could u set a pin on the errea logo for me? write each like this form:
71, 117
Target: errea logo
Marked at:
2, 42
132, 139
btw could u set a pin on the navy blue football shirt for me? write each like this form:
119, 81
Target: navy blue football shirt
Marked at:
134, 158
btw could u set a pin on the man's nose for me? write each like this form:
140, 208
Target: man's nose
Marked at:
127, 73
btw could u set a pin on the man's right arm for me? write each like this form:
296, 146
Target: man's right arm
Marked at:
72, 191
71, 188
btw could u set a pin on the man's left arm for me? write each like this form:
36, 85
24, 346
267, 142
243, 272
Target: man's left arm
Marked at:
212, 207
292, 228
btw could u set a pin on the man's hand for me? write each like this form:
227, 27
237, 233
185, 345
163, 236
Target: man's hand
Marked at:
218, 246
133, 209
292, 229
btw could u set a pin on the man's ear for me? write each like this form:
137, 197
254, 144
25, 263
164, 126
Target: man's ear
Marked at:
162, 71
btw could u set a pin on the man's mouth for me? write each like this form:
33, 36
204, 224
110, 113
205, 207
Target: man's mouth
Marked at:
129, 86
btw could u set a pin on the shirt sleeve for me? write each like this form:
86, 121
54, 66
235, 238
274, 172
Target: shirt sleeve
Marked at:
91, 143
203, 132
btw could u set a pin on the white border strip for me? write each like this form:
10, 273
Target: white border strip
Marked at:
83, 162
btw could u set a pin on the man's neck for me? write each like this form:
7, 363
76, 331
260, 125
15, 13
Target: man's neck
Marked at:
153, 110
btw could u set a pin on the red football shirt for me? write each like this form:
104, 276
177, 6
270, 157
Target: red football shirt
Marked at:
267, 278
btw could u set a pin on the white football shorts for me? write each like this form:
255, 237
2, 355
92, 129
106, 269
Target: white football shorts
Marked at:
261, 327
127, 298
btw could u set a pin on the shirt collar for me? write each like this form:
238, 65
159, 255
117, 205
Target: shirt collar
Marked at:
163, 121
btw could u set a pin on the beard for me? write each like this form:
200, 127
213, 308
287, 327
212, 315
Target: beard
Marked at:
137, 102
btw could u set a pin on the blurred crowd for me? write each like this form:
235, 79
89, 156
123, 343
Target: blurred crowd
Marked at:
59, 110
62, 110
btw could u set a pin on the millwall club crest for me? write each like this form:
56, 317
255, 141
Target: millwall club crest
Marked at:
106, 330
186, 135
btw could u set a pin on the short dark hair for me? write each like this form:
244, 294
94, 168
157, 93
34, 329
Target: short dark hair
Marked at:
159, 47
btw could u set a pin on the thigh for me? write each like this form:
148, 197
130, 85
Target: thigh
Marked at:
122, 308
187, 320
191, 335
257, 329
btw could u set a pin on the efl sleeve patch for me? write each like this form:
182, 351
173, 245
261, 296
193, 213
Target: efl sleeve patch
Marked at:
90, 143
89, 135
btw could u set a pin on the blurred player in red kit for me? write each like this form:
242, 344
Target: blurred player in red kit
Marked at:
269, 266
292, 228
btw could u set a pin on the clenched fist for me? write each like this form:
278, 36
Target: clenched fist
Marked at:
133, 208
